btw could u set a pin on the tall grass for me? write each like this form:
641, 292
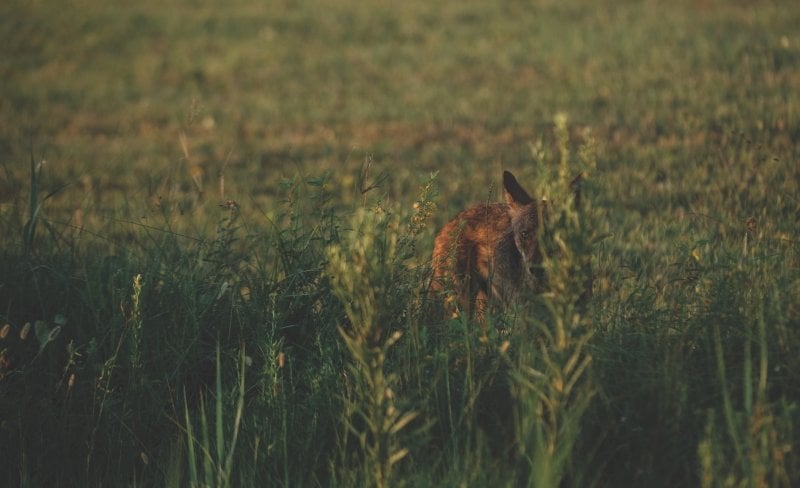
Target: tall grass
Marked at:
214, 456
346, 380
552, 359
363, 276
277, 331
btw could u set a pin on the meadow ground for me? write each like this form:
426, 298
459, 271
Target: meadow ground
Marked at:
216, 224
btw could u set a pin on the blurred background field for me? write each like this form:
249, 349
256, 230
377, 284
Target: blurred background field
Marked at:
127, 131
128, 103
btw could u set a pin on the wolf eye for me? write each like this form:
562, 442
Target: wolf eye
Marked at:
524, 234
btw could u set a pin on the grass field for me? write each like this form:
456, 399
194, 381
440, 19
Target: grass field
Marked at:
216, 225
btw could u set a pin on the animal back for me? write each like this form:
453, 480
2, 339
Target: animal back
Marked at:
464, 247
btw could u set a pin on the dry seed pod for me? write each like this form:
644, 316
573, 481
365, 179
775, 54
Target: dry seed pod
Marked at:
23, 334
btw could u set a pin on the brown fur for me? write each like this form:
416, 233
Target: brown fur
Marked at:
490, 251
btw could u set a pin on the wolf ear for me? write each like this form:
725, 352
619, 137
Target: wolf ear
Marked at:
515, 195
575, 187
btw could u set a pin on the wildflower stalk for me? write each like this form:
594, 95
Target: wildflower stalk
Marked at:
361, 275
136, 324
550, 373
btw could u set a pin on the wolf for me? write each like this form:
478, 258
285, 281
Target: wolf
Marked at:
492, 252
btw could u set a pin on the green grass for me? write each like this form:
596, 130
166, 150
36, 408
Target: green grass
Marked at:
217, 222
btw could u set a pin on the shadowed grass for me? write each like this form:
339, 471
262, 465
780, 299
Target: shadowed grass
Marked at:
202, 164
